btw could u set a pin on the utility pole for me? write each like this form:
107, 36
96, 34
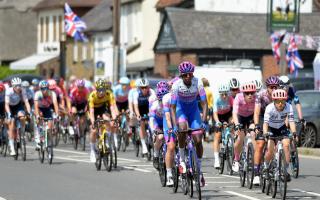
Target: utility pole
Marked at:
116, 39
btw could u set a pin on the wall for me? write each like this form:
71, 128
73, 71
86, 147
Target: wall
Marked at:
242, 6
51, 66
269, 67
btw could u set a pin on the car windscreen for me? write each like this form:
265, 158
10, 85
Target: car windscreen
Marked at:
309, 100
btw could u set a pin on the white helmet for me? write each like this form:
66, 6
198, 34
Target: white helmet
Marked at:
16, 81
284, 80
143, 83
124, 80
223, 88
258, 84
25, 84
234, 83
138, 80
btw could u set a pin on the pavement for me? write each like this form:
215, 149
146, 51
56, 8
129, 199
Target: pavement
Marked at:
72, 176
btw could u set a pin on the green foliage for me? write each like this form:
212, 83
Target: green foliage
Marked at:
5, 71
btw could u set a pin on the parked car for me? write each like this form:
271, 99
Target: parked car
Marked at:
310, 102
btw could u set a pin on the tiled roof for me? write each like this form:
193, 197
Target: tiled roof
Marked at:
47, 4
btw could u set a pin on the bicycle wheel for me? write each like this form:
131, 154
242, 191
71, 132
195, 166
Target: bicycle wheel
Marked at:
41, 153
76, 140
242, 172
99, 160
137, 146
16, 148
294, 163
162, 168
23, 148
175, 176
250, 166
222, 158
190, 184
49, 149
124, 140
196, 173
115, 157
230, 154
56, 135
282, 175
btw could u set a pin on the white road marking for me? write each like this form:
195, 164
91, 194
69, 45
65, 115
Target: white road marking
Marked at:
229, 186
222, 182
62, 150
1, 198
303, 191
71, 159
236, 177
213, 177
241, 195
136, 169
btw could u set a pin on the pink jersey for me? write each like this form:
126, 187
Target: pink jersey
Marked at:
241, 107
59, 93
79, 97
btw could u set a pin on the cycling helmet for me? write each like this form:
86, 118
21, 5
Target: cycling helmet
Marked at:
108, 85
52, 84
234, 83
186, 67
43, 84
248, 87
80, 83
2, 87
124, 80
100, 84
138, 80
223, 88
16, 81
144, 83
279, 94
162, 84
272, 80
25, 84
161, 91
35, 82
284, 80
258, 84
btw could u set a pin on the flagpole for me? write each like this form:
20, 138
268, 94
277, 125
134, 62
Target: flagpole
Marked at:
116, 39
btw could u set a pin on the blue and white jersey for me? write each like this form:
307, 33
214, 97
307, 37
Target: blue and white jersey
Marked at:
14, 98
120, 94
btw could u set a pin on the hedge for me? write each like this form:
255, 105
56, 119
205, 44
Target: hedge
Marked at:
5, 71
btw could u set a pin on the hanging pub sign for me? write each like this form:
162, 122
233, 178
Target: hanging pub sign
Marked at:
283, 15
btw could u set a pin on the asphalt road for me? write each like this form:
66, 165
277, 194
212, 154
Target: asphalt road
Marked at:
72, 176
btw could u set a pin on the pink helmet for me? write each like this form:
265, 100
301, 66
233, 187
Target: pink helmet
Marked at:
186, 67
80, 83
2, 87
272, 80
248, 87
162, 84
161, 91
279, 94
52, 84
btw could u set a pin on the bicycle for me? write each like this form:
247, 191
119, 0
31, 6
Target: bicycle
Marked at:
148, 138
294, 156
46, 141
79, 131
162, 164
3, 137
19, 140
63, 129
192, 166
276, 174
226, 152
123, 140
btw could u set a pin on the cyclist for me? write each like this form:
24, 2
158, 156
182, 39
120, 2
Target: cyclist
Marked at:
234, 86
132, 122
274, 125
101, 103
141, 107
2, 102
121, 92
35, 85
44, 101
222, 112
156, 120
30, 94
292, 97
210, 101
60, 97
258, 84
185, 110
242, 114
263, 99
15, 100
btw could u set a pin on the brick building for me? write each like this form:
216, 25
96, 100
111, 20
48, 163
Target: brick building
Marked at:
208, 37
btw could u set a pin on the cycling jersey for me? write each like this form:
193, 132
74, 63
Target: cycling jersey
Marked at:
29, 93
185, 98
155, 114
45, 101
120, 94
276, 119
2, 104
79, 96
2, 97
292, 96
263, 99
14, 98
131, 94
166, 103
209, 96
95, 101
143, 101
59, 94
222, 106
241, 107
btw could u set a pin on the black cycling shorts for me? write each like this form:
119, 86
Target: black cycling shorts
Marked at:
225, 117
2, 109
46, 112
122, 106
245, 121
16, 109
99, 111
282, 131
79, 106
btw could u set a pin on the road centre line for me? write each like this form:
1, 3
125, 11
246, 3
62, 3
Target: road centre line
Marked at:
236, 177
241, 195
303, 191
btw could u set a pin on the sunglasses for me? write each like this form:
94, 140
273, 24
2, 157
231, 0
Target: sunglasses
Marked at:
44, 88
186, 75
143, 88
279, 101
249, 93
224, 94
273, 87
235, 90
17, 86
101, 90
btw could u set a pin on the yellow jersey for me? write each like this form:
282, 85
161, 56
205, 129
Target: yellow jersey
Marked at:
209, 97
96, 102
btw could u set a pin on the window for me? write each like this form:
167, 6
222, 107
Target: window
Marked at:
84, 52
54, 28
75, 52
47, 29
41, 30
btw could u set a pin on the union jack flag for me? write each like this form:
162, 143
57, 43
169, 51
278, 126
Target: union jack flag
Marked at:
293, 57
276, 40
74, 26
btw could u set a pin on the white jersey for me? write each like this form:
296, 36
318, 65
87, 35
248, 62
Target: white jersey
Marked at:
14, 98
277, 119
131, 94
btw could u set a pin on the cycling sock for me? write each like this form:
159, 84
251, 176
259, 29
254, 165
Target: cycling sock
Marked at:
115, 138
216, 155
156, 153
169, 172
11, 143
182, 156
92, 146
